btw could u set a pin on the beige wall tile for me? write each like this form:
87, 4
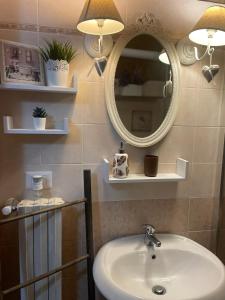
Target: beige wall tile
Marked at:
20, 36
100, 141
66, 13
203, 213
202, 182
64, 150
177, 143
19, 11
75, 40
11, 180
32, 154
208, 107
190, 76
222, 116
206, 145
205, 238
187, 109
92, 98
114, 219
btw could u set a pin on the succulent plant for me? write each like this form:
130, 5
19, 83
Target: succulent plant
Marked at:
39, 112
56, 50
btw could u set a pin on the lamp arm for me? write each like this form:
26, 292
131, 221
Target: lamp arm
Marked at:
100, 45
208, 51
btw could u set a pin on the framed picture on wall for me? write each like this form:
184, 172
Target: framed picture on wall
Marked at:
20, 63
141, 120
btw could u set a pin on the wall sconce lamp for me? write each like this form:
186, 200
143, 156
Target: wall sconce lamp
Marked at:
210, 32
100, 17
163, 57
168, 86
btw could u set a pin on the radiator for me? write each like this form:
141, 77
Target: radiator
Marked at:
40, 249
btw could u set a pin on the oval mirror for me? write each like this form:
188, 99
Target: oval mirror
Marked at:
142, 80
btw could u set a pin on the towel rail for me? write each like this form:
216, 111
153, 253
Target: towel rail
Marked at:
41, 211
89, 256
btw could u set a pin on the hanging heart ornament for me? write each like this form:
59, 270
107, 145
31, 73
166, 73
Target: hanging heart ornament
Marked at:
100, 64
210, 72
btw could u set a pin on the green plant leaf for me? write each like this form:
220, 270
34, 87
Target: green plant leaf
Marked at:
57, 50
39, 112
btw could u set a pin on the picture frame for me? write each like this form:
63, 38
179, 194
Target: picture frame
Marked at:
141, 120
21, 63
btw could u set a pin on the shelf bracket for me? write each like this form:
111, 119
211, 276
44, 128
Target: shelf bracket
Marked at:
9, 129
181, 174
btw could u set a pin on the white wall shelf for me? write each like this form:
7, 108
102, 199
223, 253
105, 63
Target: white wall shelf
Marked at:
181, 174
9, 129
37, 88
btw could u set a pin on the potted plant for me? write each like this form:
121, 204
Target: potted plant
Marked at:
39, 118
57, 56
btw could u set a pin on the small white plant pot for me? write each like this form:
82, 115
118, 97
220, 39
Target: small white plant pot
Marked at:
39, 123
57, 72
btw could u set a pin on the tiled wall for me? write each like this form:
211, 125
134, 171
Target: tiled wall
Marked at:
189, 208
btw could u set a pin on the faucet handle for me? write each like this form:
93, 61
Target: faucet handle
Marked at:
150, 229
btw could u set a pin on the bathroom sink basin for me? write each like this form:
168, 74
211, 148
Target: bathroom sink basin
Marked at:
181, 269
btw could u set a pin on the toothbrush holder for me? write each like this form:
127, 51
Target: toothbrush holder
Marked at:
151, 165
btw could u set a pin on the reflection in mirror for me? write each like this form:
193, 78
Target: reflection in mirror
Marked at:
143, 85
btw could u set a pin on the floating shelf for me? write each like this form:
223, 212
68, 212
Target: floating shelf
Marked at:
181, 174
37, 88
8, 128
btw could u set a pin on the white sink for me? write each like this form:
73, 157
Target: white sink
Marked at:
125, 269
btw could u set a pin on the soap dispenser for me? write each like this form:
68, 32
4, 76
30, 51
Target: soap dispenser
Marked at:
120, 163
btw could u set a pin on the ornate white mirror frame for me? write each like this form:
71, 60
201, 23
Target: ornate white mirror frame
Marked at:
110, 76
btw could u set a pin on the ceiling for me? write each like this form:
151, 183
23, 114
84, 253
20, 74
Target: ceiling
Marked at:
176, 16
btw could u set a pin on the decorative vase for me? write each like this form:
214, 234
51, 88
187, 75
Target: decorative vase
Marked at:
120, 165
39, 123
57, 72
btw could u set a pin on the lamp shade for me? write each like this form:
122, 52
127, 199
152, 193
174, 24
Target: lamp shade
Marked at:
100, 17
210, 29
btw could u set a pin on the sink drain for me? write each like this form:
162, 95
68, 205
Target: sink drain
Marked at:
159, 290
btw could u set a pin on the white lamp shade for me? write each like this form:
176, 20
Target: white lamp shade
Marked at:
212, 20
163, 57
100, 17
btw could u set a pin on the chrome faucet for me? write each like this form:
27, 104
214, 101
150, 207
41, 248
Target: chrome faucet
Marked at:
150, 239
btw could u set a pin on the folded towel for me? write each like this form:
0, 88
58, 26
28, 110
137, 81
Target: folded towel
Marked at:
41, 202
